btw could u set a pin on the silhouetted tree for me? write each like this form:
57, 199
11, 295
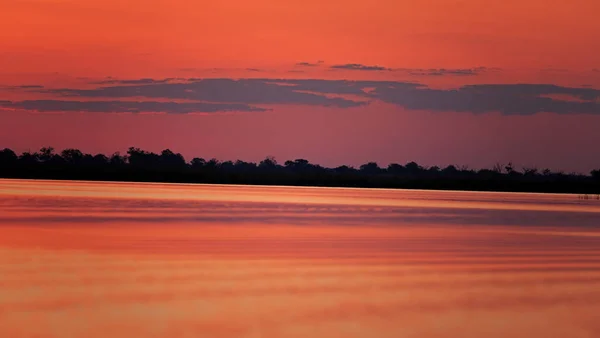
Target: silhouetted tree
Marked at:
509, 168
297, 164
497, 168
7, 156
268, 163
530, 171
487, 173
168, 166
170, 160
371, 168
46, 154
396, 169
197, 162
73, 156
99, 160
434, 169
413, 168
244, 166
28, 158
90, 161
344, 169
117, 160
227, 166
213, 163
450, 170
142, 159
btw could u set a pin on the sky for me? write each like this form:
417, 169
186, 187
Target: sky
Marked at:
336, 82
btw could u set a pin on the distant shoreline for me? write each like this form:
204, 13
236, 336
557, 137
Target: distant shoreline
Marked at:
168, 167
574, 195
577, 190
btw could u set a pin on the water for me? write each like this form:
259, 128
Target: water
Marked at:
82, 259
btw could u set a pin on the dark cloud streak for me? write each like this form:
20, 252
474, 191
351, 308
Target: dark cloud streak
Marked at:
22, 87
213, 95
512, 99
447, 72
126, 106
135, 81
308, 64
361, 67
417, 71
245, 91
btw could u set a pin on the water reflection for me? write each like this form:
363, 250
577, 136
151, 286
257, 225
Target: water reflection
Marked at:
98, 259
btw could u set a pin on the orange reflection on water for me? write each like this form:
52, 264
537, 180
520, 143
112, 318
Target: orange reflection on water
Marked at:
303, 273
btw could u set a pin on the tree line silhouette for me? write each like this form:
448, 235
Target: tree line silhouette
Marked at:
138, 165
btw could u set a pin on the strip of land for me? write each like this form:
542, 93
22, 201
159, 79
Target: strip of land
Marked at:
138, 165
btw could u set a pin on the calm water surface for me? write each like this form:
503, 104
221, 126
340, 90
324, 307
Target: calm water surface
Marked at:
82, 259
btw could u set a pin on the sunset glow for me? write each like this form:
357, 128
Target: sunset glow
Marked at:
268, 94
93, 260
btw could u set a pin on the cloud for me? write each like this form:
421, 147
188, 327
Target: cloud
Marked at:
222, 69
126, 106
244, 91
134, 81
31, 87
345, 86
509, 99
22, 87
308, 64
447, 72
419, 71
214, 95
358, 66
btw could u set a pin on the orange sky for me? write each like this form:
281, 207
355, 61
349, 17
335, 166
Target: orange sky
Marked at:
104, 37
69, 43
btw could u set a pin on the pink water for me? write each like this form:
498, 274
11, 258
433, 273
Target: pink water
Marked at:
82, 259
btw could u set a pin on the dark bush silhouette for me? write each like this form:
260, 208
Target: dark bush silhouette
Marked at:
371, 168
168, 166
595, 174
8, 157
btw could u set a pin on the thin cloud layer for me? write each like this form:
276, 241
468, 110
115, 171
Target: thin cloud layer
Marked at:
448, 72
134, 81
341, 87
417, 71
511, 99
244, 91
215, 95
358, 66
22, 87
30, 87
126, 106
309, 64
